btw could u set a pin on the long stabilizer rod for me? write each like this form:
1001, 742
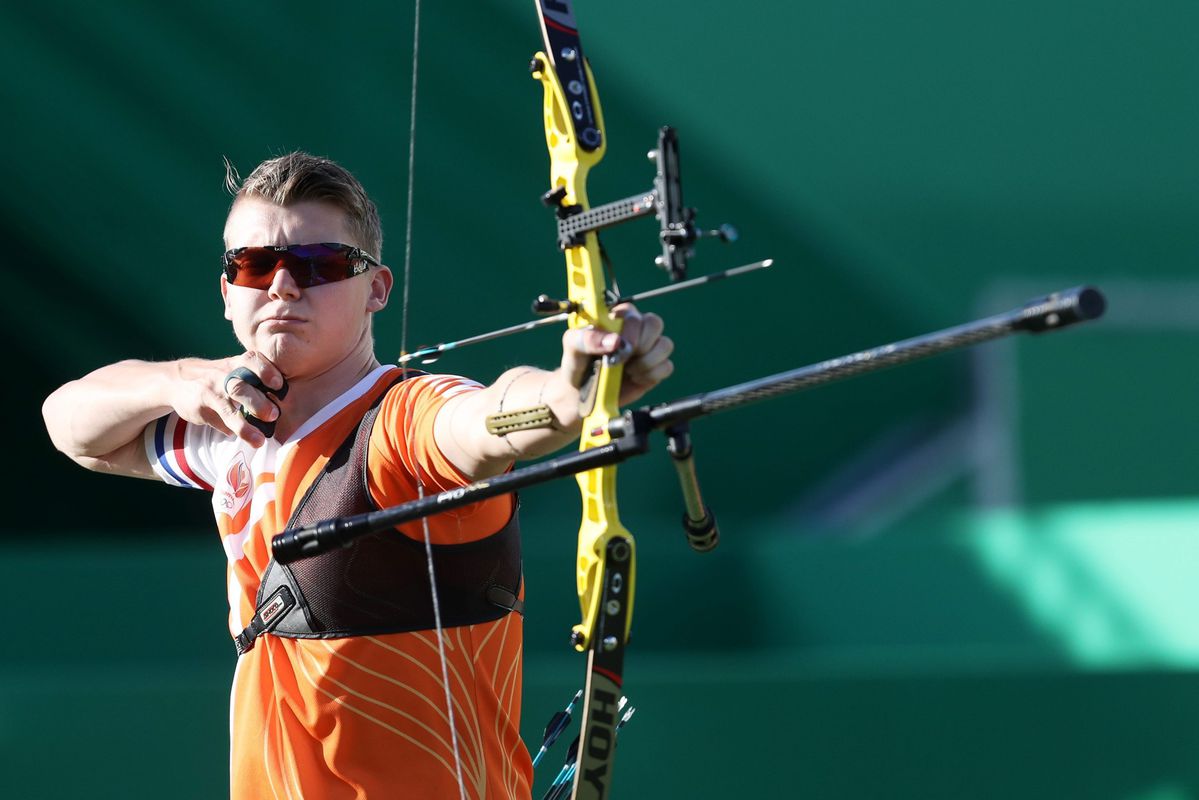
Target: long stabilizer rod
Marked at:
631, 431
1044, 314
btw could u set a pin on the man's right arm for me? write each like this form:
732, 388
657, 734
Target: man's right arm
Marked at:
98, 420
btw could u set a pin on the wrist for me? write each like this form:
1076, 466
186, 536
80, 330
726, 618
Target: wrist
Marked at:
562, 398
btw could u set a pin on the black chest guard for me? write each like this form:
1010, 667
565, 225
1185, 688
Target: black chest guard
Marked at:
380, 583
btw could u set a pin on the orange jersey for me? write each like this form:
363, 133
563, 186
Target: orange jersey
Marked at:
362, 716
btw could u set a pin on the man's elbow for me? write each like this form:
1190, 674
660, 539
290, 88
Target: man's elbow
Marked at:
59, 414
57, 419
129, 460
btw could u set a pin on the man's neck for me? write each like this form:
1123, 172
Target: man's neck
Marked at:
308, 394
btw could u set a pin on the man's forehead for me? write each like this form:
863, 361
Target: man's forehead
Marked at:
255, 222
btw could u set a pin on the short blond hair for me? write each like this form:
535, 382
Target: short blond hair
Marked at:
298, 177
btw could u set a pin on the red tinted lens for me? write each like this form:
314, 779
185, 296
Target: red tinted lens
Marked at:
309, 265
253, 267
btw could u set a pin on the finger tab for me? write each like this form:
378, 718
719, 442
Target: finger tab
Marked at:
247, 376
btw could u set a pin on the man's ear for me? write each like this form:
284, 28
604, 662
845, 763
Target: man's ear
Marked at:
225, 297
381, 283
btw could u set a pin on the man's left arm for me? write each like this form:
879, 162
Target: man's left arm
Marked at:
460, 428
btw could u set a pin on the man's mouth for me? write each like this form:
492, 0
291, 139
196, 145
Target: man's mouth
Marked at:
282, 321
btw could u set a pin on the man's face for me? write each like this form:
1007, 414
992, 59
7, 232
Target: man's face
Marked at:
302, 331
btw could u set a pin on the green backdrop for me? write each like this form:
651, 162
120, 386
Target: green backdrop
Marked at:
972, 577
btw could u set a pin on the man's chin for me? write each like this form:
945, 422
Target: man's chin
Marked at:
292, 358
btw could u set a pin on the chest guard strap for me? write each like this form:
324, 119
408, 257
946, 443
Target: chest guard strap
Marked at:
380, 583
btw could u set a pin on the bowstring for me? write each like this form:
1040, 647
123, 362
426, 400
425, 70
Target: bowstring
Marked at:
420, 485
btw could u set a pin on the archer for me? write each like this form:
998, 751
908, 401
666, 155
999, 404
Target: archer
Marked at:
340, 688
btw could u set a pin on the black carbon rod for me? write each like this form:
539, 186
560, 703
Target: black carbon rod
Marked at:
1050, 313
321, 537
630, 431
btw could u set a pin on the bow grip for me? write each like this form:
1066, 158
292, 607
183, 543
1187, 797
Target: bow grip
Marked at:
589, 388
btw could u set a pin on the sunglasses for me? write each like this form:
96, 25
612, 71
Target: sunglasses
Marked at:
308, 264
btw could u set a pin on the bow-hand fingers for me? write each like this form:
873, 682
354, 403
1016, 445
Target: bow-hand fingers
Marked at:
591, 341
654, 366
646, 355
580, 347
646, 371
650, 363
641, 331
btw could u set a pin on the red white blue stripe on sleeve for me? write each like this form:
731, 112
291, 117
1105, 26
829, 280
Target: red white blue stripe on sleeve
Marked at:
169, 454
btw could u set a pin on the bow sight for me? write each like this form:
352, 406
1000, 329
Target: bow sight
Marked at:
665, 200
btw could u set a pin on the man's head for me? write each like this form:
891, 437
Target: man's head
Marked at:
291, 303
300, 177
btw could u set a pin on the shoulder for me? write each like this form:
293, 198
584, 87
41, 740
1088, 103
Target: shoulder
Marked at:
426, 387
413, 400
403, 436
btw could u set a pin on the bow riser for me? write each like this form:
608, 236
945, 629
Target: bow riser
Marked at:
605, 565
570, 163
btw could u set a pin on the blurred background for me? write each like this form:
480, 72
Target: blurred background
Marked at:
970, 577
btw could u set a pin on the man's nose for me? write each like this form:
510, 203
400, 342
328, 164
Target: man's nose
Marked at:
283, 285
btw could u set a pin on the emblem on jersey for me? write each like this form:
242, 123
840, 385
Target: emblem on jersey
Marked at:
235, 491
